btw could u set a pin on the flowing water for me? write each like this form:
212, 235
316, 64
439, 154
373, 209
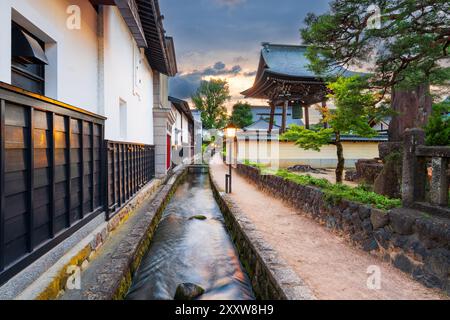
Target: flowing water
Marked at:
186, 250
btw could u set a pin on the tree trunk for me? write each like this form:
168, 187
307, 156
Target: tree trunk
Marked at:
341, 159
413, 109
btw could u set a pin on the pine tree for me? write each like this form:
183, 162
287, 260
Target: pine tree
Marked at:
406, 43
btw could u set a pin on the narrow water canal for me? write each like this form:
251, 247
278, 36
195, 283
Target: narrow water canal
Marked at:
189, 250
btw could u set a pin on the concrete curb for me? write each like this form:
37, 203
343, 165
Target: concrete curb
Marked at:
271, 276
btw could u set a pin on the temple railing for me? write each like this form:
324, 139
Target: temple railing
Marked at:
417, 158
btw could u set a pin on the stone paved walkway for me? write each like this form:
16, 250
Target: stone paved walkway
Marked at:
332, 268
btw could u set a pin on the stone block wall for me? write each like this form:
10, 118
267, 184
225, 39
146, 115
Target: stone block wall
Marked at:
270, 275
414, 242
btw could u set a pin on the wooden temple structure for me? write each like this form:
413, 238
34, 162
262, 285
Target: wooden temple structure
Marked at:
284, 79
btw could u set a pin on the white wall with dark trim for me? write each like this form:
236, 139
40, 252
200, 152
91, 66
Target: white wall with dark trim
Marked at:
71, 76
94, 68
128, 78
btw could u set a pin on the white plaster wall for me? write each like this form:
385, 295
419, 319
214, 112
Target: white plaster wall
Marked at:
120, 52
287, 153
164, 91
176, 137
186, 138
198, 138
5, 38
72, 75
182, 126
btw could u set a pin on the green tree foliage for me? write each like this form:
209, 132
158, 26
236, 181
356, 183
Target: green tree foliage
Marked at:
309, 139
406, 50
242, 115
210, 99
438, 128
355, 107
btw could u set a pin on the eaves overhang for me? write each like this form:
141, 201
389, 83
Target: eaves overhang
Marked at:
130, 13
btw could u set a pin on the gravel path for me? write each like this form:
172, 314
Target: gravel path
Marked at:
331, 267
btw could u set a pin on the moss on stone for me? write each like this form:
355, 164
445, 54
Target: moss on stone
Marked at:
124, 286
52, 291
59, 282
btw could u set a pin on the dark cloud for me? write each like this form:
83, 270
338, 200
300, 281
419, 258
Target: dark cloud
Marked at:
236, 69
219, 65
250, 74
184, 86
240, 59
231, 32
240, 30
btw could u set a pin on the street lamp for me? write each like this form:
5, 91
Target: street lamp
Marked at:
230, 133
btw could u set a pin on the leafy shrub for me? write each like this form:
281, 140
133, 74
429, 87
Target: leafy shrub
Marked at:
305, 180
334, 193
438, 128
253, 164
242, 115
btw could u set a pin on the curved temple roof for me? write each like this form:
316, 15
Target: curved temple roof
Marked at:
290, 60
283, 70
260, 125
287, 60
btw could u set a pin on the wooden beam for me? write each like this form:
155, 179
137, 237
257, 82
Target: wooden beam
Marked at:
284, 120
120, 161
92, 137
2, 183
324, 105
68, 172
103, 2
30, 182
35, 96
52, 178
272, 116
130, 13
307, 126
82, 173
114, 177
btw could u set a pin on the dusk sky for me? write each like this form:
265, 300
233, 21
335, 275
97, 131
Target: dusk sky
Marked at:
222, 38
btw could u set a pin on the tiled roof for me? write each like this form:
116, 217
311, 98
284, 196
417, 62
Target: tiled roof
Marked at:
260, 125
182, 106
286, 66
355, 138
290, 60
160, 49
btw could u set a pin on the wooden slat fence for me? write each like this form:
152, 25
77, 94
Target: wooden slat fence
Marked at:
57, 173
129, 168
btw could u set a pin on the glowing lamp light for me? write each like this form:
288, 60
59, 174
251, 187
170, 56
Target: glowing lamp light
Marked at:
230, 131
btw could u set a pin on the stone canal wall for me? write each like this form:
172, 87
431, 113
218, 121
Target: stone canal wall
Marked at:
113, 275
47, 278
271, 277
414, 242
116, 275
